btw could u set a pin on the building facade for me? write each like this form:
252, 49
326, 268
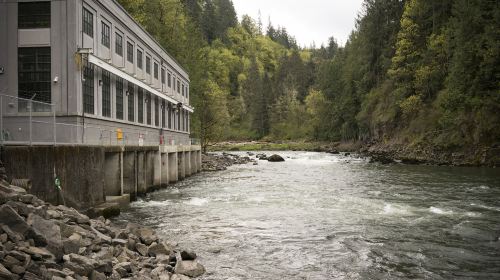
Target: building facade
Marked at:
85, 72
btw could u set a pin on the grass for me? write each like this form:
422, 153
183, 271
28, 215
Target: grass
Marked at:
270, 146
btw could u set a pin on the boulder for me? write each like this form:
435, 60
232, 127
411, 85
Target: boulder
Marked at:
14, 221
275, 158
189, 268
188, 256
159, 249
5, 273
142, 249
179, 277
46, 232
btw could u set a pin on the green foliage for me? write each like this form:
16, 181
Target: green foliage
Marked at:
423, 72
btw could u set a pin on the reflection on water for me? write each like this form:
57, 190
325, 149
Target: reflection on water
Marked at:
321, 216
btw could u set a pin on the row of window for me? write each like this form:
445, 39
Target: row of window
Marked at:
145, 102
88, 28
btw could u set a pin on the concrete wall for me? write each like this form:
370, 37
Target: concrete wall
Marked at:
89, 174
80, 170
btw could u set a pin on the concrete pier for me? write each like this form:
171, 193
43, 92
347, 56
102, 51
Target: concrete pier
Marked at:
91, 176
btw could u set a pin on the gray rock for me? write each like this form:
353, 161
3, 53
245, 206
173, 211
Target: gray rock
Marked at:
275, 158
48, 231
146, 235
10, 218
189, 268
159, 249
103, 238
5, 273
12, 235
188, 256
97, 276
179, 277
121, 242
142, 249
37, 253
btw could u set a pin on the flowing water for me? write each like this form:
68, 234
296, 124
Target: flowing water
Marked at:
321, 216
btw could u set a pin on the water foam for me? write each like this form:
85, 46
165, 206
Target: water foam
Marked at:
439, 211
196, 201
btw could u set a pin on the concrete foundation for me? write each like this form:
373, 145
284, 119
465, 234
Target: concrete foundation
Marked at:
91, 176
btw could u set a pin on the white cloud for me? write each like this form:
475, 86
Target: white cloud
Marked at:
309, 21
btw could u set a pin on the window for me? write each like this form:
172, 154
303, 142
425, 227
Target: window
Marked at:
34, 80
155, 70
131, 102
148, 65
139, 59
88, 88
187, 92
157, 111
163, 114
182, 89
33, 15
169, 115
118, 44
130, 52
169, 80
88, 23
105, 35
119, 98
178, 86
162, 76
106, 94
140, 106
148, 108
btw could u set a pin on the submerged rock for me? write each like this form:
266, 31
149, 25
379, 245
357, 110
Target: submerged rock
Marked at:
276, 158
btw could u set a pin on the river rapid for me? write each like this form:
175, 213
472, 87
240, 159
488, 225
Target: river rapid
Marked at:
322, 216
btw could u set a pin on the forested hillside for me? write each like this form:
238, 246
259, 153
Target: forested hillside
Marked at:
418, 73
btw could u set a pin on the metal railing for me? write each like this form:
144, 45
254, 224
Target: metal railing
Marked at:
30, 122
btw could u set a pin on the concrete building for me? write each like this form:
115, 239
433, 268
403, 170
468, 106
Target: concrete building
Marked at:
90, 100
100, 70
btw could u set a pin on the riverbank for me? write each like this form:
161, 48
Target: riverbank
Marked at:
42, 241
381, 152
211, 162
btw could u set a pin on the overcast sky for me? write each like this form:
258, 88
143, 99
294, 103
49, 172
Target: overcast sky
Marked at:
308, 21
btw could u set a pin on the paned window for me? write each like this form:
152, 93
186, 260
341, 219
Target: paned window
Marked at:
131, 102
157, 111
118, 44
130, 52
163, 76
140, 106
148, 108
34, 78
33, 15
155, 69
88, 88
163, 114
148, 65
106, 93
139, 59
119, 98
88, 23
105, 35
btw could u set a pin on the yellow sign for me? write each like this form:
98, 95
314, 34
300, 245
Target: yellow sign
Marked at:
119, 134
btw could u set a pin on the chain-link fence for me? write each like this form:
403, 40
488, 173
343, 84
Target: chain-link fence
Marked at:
30, 122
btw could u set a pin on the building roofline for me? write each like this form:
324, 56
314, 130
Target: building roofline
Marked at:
149, 35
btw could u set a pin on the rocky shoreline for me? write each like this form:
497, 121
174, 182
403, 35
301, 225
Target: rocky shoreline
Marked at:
217, 162
390, 152
42, 241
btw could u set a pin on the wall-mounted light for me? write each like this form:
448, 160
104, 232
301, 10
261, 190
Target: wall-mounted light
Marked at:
100, 82
56, 79
127, 93
2, 70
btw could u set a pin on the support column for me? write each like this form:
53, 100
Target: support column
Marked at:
173, 169
157, 166
181, 165
164, 169
129, 174
112, 174
187, 163
141, 173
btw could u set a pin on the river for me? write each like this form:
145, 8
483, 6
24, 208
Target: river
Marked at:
322, 216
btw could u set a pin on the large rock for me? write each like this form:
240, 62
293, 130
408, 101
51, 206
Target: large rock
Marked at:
5, 273
276, 158
188, 256
159, 249
189, 268
48, 232
10, 218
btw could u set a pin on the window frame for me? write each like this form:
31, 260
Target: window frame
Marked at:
39, 18
105, 36
88, 22
130, 52
155, 70
139, 58
130, 102
106, 93
148, 65
34, 76
119, 98
119, 44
